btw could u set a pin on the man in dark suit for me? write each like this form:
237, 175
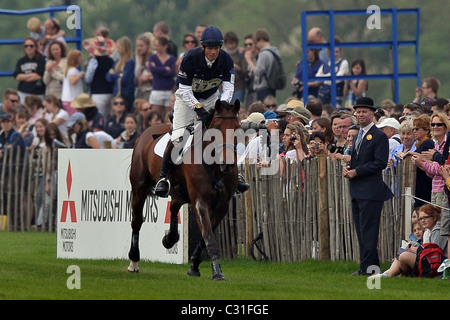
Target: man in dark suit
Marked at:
367, 188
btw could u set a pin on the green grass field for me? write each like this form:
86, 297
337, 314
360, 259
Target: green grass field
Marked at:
29, 270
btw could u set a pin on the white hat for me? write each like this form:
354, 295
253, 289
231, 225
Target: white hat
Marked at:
255, 117
389, 122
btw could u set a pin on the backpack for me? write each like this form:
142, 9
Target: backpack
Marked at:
277, 78
429, 258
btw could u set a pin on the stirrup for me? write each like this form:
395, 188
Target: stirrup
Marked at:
158, 184
242, 186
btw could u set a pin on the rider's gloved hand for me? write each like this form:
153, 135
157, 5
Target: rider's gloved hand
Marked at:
200, 111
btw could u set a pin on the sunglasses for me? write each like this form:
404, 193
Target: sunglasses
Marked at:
248, 44
189, 41
119, 102
28, 46
440, 124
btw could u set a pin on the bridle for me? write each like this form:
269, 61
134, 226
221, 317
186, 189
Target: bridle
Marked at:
227, 145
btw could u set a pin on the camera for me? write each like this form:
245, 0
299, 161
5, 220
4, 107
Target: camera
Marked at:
316, 144
332, 148
252, 125
293, 138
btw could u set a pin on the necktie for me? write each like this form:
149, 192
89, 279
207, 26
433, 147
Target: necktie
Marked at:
359, 139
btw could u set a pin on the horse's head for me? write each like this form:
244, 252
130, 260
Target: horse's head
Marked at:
226, 121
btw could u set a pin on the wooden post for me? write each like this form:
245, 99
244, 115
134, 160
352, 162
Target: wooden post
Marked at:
249, 235
324, 236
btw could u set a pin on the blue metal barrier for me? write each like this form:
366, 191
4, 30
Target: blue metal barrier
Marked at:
51, 10
393, 44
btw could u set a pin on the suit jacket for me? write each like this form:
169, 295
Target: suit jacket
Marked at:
369, 164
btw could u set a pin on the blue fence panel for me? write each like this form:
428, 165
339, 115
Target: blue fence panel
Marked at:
51, 10
394, 44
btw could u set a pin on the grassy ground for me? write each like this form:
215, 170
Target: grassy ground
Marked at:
30, 270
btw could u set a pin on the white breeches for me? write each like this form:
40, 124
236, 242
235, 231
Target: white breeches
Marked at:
183, 115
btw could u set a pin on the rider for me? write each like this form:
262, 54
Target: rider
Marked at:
202, 71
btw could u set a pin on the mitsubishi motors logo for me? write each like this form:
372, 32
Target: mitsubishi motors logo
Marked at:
67, 204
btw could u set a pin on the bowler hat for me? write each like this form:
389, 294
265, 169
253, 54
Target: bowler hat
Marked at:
364, 102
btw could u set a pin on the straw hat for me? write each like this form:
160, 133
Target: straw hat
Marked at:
294, 103
82, 101
99, 46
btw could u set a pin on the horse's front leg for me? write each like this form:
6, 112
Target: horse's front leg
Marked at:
173, 236
202, 211
137, 207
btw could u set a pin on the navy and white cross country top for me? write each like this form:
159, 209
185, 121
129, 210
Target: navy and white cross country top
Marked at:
196, 80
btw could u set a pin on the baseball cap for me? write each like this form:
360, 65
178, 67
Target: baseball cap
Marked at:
74, 118
389, 122
270, 115
255, 117
6, 117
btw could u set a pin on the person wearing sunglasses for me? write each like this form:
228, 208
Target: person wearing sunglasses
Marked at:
10, 100
115, 123
439, 128
189, 42
30, 70
422, 136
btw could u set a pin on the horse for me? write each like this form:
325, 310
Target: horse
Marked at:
207, 187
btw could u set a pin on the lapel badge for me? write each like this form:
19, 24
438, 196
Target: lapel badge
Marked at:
369, 137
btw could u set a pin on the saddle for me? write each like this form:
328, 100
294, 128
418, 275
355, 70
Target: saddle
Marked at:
185, 145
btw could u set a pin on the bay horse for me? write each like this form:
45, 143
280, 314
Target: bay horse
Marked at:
207, 187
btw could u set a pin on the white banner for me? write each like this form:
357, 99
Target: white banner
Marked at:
94, 210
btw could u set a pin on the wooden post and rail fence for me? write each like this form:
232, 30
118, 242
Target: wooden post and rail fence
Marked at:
299, 213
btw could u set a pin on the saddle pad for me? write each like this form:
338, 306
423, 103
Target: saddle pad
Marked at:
162, 144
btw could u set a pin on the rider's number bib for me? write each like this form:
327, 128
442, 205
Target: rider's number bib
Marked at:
199, 85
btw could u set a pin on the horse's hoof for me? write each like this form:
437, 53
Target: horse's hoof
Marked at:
133, 267
170, 243
218, 277
193, 272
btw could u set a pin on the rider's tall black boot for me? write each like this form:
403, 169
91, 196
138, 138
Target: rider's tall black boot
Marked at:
162, 187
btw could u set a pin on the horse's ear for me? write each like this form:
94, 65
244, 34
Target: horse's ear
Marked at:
218, 106
236, 106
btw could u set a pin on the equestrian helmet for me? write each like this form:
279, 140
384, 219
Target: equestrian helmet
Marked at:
211, 37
